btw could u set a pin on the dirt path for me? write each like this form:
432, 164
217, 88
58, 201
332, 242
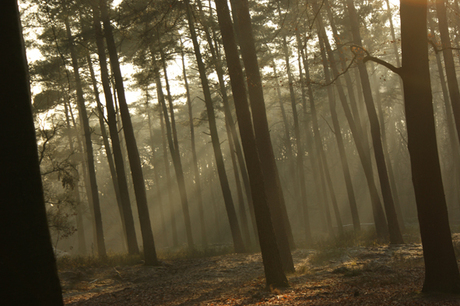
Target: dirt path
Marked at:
355, 276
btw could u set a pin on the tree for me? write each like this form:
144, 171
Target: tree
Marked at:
393, 225
441, 269
94, 195
131, 145
271, 257
27, 264
238, 243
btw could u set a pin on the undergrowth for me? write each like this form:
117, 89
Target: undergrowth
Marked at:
117, 259
112, 260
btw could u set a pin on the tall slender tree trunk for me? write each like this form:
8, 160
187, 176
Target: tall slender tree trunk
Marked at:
108, 151
121, 182
271, 257
198, 189
259, 118
295, 118
452, 82
156, 175
229, 119
177, 163
172, 211
78, 210
386, 152
379, 217
229, 205
88, 148
239, 190
392, 218
131, 146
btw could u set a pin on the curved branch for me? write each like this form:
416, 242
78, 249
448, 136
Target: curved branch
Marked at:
383, 63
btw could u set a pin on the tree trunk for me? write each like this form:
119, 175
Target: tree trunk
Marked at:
262, 133
379, 217
268, 243
88, 148
78, 210
231, 213
156, 175
388, 203
169, 184
198, 189
451, 76
27, 263
175, 155
441, 269
122, 183
131, 146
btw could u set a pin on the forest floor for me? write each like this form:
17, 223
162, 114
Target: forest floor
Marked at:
374, 275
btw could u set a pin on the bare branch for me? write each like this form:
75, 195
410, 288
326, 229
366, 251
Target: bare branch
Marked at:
383, 63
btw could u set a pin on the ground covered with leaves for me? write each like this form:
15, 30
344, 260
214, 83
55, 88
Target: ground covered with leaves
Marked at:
364, 275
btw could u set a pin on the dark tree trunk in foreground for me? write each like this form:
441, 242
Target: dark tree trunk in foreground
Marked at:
27, 264
88, 147
441, 269
271, 258
131, 146
229, 205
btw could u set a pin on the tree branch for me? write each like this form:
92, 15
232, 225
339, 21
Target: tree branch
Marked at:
383, 63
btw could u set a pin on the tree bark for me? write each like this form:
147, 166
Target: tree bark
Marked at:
196, 172
122, 183
259, 118
441, 269
229, 205
379, 217
177, 163
150, 255
388, 203
27, 263
452, 82
88, 148
271, 258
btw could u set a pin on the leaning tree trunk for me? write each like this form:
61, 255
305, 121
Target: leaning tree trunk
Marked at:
127, 214
379, 217
155, 167
131, 146
27, 263
452, 82
88, 148
388, 202
169, 184
270, 253
259, 118
177, 163
196, 172
229, 205
78, 210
